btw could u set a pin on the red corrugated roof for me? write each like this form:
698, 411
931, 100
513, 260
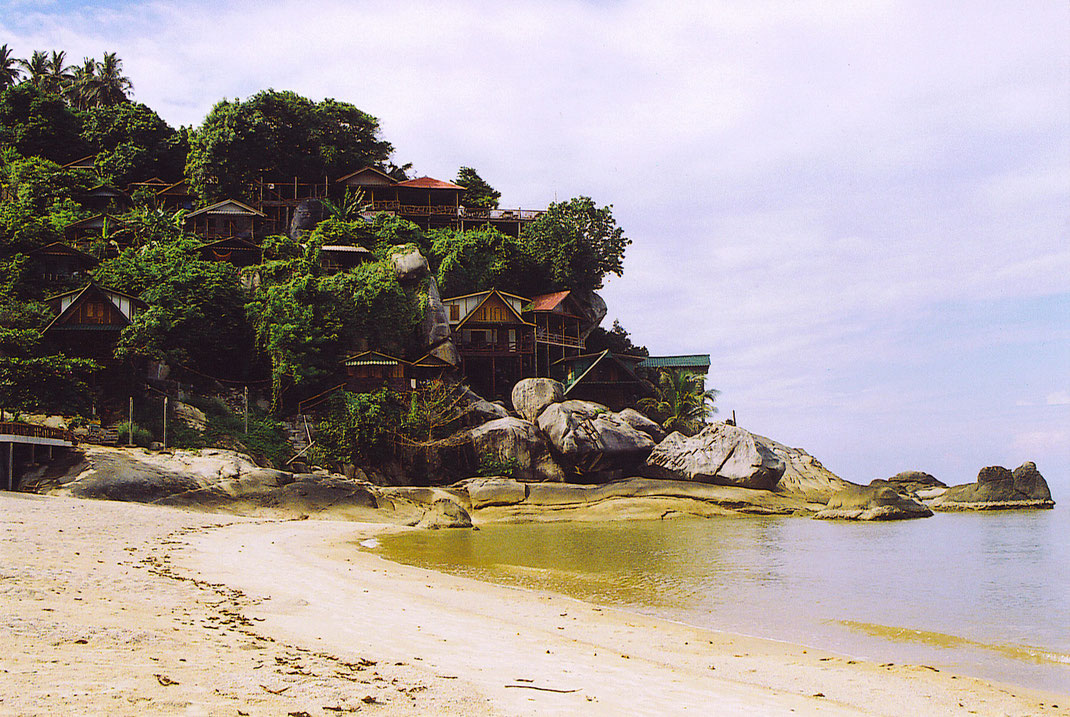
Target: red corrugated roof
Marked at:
548, 302
429, 183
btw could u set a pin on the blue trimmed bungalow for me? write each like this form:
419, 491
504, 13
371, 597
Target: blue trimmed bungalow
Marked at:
686, 363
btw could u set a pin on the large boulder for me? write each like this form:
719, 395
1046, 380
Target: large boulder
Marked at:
409, 264
721, 453
998, 489
912, 484
531, 395
515, 445
804, 476
307, 215
591, 439
444, 514
435, 327
858, 502
593, 307
642, 424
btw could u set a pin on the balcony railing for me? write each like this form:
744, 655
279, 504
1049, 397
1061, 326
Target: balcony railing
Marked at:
520, 346
448, 210
560, 339
29, 430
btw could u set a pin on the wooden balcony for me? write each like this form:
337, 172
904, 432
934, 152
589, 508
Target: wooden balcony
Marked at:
558, 339
448, 210
502, 348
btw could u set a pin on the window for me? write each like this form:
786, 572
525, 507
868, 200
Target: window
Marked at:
455, 312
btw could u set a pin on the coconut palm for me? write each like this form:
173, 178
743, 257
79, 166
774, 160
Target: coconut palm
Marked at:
9, 70
82, 89
682, 402
36, 69
58, 72
112, 84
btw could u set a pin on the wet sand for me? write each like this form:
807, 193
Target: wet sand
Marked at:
120, 608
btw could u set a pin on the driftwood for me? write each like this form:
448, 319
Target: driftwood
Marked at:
543, 689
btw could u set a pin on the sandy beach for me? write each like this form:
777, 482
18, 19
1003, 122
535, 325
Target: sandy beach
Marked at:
121, 608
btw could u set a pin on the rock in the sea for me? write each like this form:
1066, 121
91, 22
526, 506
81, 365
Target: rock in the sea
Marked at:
643, 424
912, 483
445, 514
721, 454
998, 489
872, 503
590, 438
531, 396
515, 445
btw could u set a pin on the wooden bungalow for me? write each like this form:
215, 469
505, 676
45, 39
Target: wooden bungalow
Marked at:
688, 363
88, 162
95, 228
429, 202
58, 262
106, 198
228, 218
606, 378
369, 371
496, 344
335, 257
429, 368
154, 185
279, 198
558, 320
232, 250
88, 320
173, 197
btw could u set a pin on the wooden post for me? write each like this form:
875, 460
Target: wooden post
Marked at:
11, 466
130, 423
165, 400
246, 403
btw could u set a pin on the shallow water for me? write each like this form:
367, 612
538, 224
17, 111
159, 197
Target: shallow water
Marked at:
986, 594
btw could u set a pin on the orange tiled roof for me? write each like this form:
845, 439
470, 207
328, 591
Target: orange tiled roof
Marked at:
548, 302
429, 183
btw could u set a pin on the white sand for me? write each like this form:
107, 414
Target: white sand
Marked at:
118, 608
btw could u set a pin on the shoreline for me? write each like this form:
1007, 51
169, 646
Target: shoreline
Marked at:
133, 597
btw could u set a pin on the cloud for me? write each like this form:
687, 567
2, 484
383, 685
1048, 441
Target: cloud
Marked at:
1059, 398
857, 208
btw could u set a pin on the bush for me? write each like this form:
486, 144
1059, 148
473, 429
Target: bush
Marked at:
142, 436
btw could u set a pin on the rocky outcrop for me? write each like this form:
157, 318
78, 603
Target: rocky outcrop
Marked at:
211, 479
307, 215
998, 489
479, 411
591, 439
593, 308
500, 499
531, 395
515, 445
444, 514
409, 264
642, 424
871, 503
804, 476
435, 327
721, 454
917, 484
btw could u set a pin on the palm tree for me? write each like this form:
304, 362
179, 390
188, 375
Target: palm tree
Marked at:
682, 402
82, 89
9, 71
112, 84
58, 72
37, 69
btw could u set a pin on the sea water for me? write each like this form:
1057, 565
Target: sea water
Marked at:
983, 594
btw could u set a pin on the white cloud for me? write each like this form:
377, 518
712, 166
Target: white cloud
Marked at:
1059, 398
812, 187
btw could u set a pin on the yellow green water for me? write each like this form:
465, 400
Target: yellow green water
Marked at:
981, 594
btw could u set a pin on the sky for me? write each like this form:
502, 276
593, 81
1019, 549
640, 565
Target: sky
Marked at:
860, 210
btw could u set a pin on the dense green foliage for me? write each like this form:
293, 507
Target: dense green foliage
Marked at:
617, 340
287, 322
279, 134
477, 193
682, 403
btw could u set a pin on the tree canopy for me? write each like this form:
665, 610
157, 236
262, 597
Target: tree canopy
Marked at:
577, 243
477, 193
279, 134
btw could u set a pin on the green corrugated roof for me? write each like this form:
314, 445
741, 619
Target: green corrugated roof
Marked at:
688, 361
